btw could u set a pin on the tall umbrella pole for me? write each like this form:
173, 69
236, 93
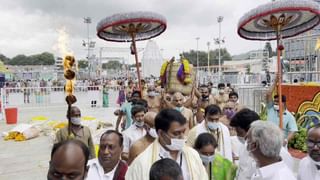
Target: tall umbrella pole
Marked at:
133, 35
279, 73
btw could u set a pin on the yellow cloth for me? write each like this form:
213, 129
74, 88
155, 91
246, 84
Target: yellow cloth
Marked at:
140, 167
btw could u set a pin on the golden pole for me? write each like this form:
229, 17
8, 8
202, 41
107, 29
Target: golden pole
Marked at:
278, 31
137, 61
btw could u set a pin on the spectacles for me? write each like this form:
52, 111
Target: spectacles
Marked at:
312, 144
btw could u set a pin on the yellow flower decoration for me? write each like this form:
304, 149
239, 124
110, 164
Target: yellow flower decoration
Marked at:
186, 68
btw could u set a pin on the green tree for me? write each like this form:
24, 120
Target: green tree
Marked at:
37, 59
82, 64
203, 57
4, 59
20, 59
112, 65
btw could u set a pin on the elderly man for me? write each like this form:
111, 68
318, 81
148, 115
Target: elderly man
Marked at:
178, 101
241, 122
170, 126
135, 131
108, 164
76, 131
140, 145
264, 142
68, 161
310, 165
212, 125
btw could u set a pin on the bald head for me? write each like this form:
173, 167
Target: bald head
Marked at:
149, 118
68, 160
178, 99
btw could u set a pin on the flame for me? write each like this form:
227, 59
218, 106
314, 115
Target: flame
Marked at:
62, 45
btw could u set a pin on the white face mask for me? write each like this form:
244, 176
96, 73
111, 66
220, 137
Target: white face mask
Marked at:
153, 133
152, 93
176, 144
276, 107
241, 139
139, 124
207, 159
75, 120
221, 91
213, 125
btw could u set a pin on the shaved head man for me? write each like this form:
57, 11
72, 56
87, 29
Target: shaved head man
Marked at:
178, 101
68, 161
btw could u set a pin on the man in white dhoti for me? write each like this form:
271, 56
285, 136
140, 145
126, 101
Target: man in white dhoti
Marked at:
170, 126
217, 129
309, 167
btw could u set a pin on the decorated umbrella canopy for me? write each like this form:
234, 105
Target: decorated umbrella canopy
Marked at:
277, 20
131, 27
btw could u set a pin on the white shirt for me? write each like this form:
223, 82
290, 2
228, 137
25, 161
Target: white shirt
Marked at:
275, 171
96, 171
131, 135
247, 166
181, 160
308, 170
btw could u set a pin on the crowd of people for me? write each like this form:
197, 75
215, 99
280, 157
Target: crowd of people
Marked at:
206, 134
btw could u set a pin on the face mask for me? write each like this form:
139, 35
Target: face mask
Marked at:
76, 120
221, 91
229, 113
206, 159
153, 133
276, 107
179, 109
139, 124
213, 125
205, 97
241, 139
317, 163
176, 144
152, 93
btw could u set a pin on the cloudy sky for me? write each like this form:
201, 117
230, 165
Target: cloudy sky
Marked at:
31, 26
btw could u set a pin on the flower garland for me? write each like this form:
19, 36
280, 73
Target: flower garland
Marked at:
183, 73
163, 72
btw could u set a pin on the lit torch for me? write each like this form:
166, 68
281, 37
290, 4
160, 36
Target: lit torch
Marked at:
69, 74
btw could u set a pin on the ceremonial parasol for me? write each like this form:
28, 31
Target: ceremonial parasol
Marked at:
277, 20
131, 27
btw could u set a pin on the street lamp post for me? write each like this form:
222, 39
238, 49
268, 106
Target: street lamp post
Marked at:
220, 18
87, 20
208, 44
198, 70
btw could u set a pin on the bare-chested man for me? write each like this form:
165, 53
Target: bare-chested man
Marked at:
154, 100
204, 99
178, 103
140, 145
222, 98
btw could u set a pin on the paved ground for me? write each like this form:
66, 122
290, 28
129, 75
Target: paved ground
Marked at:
28, 160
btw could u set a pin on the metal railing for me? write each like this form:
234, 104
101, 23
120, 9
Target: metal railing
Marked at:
55, 96
252, 97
